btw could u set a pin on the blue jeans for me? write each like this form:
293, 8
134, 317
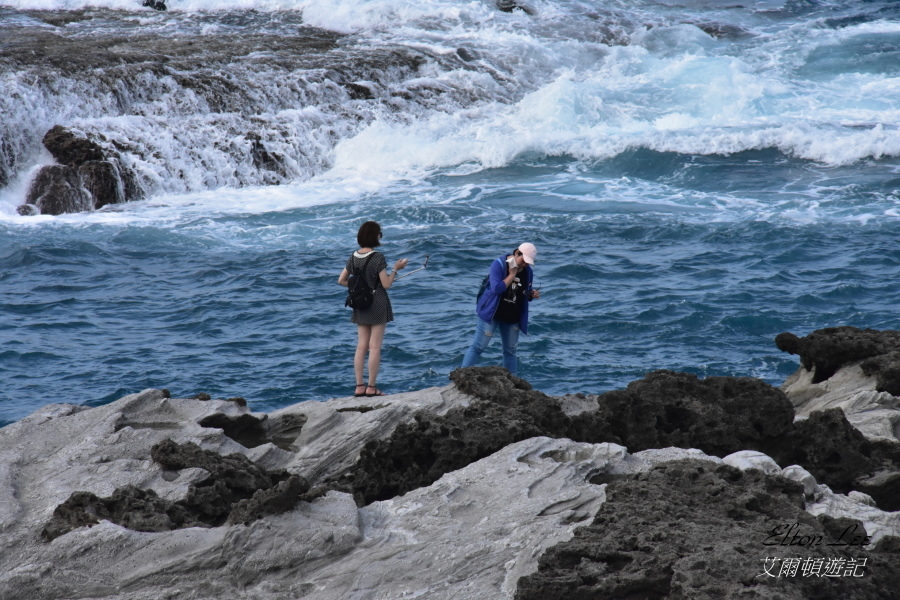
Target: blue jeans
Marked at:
509, 336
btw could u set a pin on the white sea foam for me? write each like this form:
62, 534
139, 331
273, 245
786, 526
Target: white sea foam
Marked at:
583, 79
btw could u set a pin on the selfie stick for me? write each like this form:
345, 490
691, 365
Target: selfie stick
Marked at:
416, 270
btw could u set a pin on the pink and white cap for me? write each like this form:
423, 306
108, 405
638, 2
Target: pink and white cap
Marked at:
529, 252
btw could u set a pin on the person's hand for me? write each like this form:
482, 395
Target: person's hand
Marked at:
535, 294
400, 264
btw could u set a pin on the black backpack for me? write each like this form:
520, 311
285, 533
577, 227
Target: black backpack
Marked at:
485, 283
359, 294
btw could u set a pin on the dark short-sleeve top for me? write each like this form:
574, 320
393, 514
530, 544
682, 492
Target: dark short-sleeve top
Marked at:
380, 312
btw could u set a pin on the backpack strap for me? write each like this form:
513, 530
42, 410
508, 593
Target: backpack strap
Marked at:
366, 266
362, 270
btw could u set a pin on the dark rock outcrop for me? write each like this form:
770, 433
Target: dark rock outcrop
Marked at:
827, 444
418, 453
85, 178
101, 180
273, 501
830, 448
511, 5
687, 529
886, 369
359, 91
718, 415
838, 455
883, 486
270, 163
131, 507
824, 351
70, 149
237, 490
55, 190
250, 431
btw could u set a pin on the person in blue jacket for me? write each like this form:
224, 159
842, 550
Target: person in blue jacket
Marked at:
503, 305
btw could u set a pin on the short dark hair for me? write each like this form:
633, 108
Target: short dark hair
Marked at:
369, 235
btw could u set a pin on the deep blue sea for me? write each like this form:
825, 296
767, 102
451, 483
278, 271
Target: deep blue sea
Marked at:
697, 177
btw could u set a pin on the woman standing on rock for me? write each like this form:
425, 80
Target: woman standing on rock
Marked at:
371, 321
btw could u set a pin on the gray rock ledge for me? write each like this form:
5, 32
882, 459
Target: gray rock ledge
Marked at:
472, 522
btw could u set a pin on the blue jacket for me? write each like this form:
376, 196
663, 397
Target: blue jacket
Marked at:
490, 300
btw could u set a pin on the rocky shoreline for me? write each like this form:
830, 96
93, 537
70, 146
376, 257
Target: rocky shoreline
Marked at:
674, 487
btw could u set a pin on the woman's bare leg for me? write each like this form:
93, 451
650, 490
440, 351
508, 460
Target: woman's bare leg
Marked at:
376, 336
364, 332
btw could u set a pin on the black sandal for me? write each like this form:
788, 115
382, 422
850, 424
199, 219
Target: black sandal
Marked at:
377, 391
361, 385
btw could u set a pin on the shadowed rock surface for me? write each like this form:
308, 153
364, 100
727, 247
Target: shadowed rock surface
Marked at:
838, 455
251, 431
688, 529
832, 450
245, 429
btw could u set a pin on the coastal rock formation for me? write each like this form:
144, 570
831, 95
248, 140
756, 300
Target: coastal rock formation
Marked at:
718, 415
485, 488
85, 178
691, 529
461, 537
236, 490
845, 385
824, 351
512, 5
